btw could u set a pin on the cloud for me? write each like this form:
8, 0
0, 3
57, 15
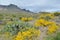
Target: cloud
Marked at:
5, 2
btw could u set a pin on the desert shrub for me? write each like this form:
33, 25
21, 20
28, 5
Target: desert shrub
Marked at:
21, 29
56, 13
46, 16
15, 27
26, 19
57, 37
1, 18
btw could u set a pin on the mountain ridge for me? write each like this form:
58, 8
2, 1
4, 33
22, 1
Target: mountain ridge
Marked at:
13, 7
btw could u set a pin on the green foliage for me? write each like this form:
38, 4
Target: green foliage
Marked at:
15, 27
49, 38
46, 18
57, 37
56, 13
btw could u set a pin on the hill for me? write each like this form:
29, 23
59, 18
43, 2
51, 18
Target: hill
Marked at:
12, 9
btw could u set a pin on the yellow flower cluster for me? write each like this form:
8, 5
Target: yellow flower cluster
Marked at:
26, 19
52, 28
41, 22
47, 15
28, 35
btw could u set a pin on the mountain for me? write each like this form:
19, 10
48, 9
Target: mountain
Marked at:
12, 9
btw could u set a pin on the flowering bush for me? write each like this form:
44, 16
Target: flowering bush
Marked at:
52, 27
47, 16
30, 34
26, 19
41, 22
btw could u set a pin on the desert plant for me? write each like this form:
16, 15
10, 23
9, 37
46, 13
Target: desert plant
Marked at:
56, 13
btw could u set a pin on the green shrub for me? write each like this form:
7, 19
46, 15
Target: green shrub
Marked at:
57, 37
56, 13
15, 27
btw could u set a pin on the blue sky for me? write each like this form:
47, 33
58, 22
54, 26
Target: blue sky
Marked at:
35, 5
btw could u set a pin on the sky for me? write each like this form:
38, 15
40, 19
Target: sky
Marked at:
35, 5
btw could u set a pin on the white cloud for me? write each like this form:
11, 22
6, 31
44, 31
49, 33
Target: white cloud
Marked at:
33, 2
5, 2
